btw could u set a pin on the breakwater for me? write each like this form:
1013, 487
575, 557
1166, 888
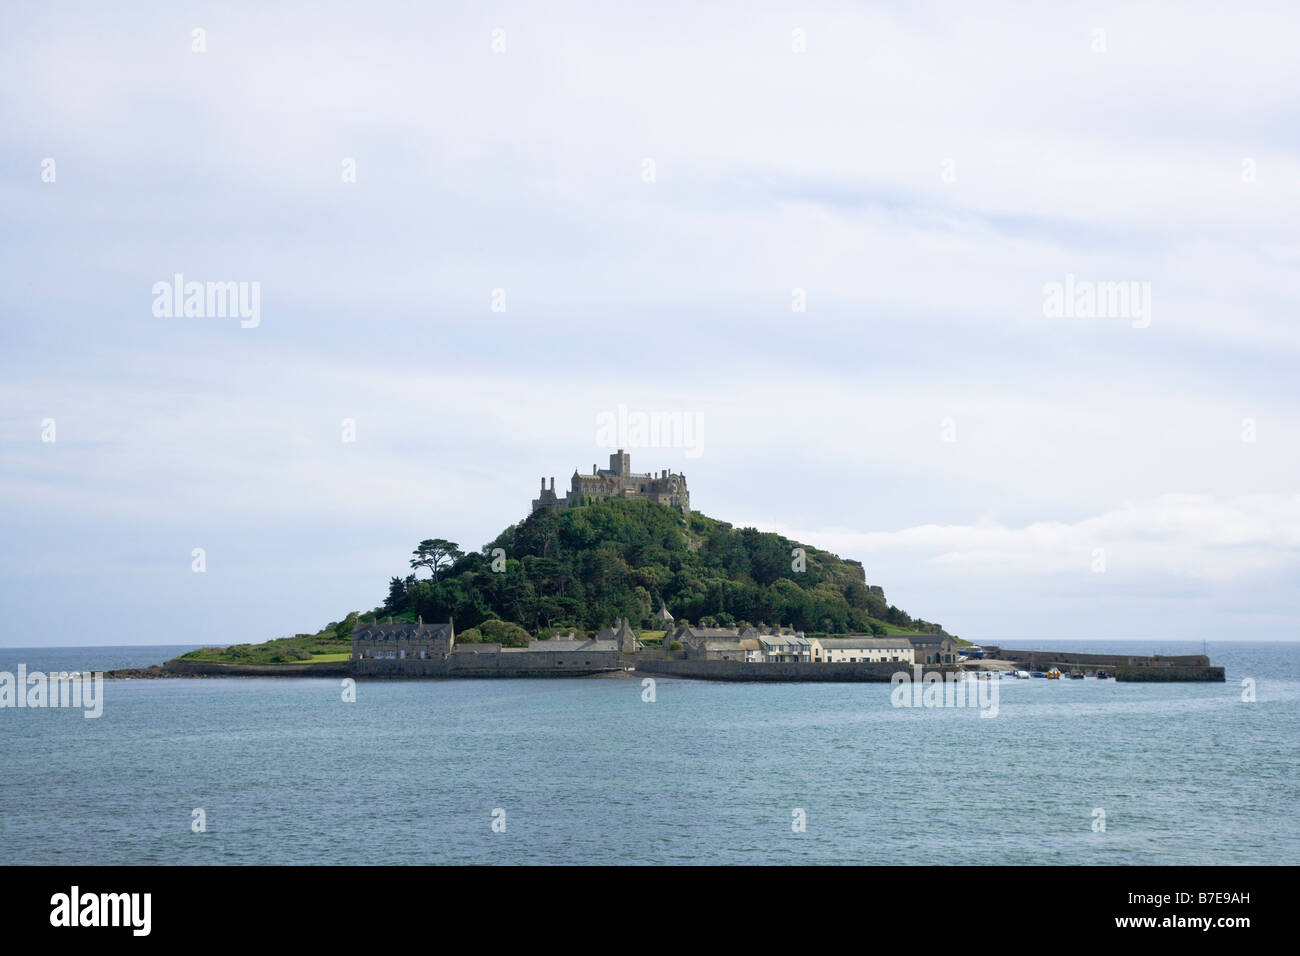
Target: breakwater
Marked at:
843, 672
1045, 660
1124, 667
1172, 672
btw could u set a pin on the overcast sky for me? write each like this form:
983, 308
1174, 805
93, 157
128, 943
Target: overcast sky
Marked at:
649, 190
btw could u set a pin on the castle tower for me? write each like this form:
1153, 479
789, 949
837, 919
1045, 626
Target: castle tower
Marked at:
618, 481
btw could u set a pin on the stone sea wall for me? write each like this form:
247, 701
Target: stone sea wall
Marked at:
843, 672
1043, 660
1180, 672
178, 668
529, 664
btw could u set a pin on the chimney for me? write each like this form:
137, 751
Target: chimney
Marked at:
552, 483
543, 484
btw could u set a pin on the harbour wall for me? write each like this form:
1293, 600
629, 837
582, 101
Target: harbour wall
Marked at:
536, 664
1172, 672
839, 672
1045, 660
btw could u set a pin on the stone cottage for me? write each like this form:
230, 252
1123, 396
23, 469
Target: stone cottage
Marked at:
402, 640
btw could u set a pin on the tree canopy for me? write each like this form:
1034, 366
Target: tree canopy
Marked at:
583, 567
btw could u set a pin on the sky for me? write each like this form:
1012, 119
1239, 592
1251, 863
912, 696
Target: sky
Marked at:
824, 235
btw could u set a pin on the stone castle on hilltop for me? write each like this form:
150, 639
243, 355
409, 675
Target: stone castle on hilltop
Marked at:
618, 481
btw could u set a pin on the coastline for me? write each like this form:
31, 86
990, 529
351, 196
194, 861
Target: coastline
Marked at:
1135, 669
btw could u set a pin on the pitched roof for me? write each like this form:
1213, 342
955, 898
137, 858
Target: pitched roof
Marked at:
783, 640
718, 633
401, 631
558, 644
865, 643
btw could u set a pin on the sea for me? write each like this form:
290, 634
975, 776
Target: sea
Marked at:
617, 771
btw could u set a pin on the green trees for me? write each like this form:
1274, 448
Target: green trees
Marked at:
434, 554
583, 567
504, 633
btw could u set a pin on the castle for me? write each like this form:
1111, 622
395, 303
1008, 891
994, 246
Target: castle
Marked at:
618, 481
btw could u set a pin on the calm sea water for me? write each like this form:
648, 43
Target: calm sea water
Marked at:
586, 772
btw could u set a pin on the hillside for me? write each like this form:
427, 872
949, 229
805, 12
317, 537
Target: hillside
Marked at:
580, 568
583, 567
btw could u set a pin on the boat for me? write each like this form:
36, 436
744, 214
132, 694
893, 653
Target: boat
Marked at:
1076, 675
1102, 675
1053, 674
1037, 673
1023, 675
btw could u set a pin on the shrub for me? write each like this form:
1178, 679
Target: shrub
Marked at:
504, 633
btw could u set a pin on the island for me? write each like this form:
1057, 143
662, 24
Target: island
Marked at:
621, 575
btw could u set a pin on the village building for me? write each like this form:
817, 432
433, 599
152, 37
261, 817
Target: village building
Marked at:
402, 641
934, 649
785, 649
860, 648
708, 643
718, 649
622, 635
419, 649
756, 645
663, 617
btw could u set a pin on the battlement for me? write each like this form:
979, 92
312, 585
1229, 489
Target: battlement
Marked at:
618, 481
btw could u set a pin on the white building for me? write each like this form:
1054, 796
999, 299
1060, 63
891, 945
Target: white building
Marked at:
857, 649
785, 649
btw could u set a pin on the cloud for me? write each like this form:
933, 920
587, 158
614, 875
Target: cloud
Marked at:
1193, 536
775, 170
